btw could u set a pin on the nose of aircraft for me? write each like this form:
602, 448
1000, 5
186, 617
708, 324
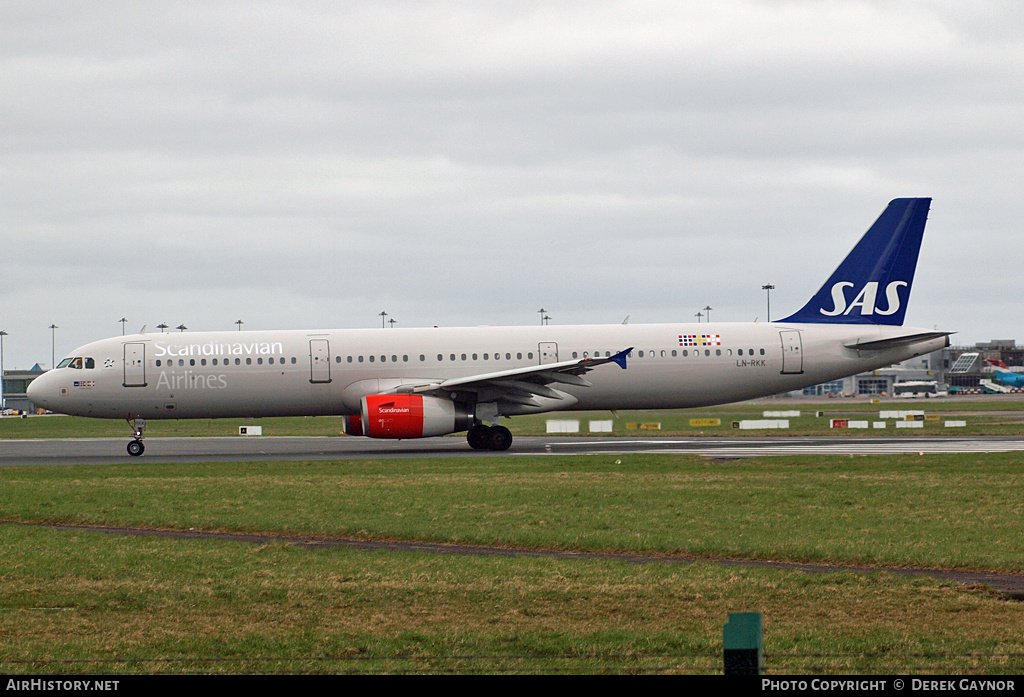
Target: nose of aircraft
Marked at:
42, 391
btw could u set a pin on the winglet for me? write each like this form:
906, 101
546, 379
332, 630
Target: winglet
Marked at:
620, 357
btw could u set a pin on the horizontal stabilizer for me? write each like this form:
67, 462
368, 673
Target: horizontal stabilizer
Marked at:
896, 341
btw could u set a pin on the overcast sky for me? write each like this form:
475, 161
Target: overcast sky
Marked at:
311, 164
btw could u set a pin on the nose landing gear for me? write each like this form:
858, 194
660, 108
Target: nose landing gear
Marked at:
136, 447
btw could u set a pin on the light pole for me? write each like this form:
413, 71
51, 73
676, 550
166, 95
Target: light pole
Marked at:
698, 316
162, 326
382, 316
2, 335
392, 322
542, 312
181, 327
768, 288
123, 322
708, 311
53, 344
239, 323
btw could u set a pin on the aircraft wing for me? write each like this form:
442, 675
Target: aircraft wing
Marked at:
520, 385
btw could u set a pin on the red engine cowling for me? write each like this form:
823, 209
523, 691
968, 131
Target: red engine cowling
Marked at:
413, 416
354, 425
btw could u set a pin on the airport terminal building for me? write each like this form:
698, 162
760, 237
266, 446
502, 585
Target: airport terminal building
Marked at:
15, 387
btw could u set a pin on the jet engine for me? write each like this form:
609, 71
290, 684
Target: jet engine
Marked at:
353, 425
413, 416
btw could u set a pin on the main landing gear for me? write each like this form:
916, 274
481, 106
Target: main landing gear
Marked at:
481, 437
136, 447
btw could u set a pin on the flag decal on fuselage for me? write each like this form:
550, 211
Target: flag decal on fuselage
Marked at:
700, 339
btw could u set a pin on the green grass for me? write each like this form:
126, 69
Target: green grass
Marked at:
71, 598
94, 603
937, 511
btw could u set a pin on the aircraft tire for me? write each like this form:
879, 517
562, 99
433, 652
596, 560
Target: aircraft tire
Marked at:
136, 448
500, 438
478, 437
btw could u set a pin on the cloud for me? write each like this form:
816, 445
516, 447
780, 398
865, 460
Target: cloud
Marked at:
310, 164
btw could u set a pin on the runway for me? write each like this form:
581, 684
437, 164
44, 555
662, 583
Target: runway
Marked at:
104, 451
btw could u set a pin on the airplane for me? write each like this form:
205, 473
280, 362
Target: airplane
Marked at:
423, 382
1003, 374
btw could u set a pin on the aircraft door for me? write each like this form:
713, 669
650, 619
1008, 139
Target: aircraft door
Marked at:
792, 352
548, 351
134, 365
319, 360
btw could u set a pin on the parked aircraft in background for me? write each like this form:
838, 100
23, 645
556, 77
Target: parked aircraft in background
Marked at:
413, 383
1003, 375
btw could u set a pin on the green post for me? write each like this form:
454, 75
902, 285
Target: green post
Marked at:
743, 644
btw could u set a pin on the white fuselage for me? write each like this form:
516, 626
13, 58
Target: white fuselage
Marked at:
294, 373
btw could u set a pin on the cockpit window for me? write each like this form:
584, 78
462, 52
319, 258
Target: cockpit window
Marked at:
78, 363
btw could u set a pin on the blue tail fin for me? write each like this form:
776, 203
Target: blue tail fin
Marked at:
872, 285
